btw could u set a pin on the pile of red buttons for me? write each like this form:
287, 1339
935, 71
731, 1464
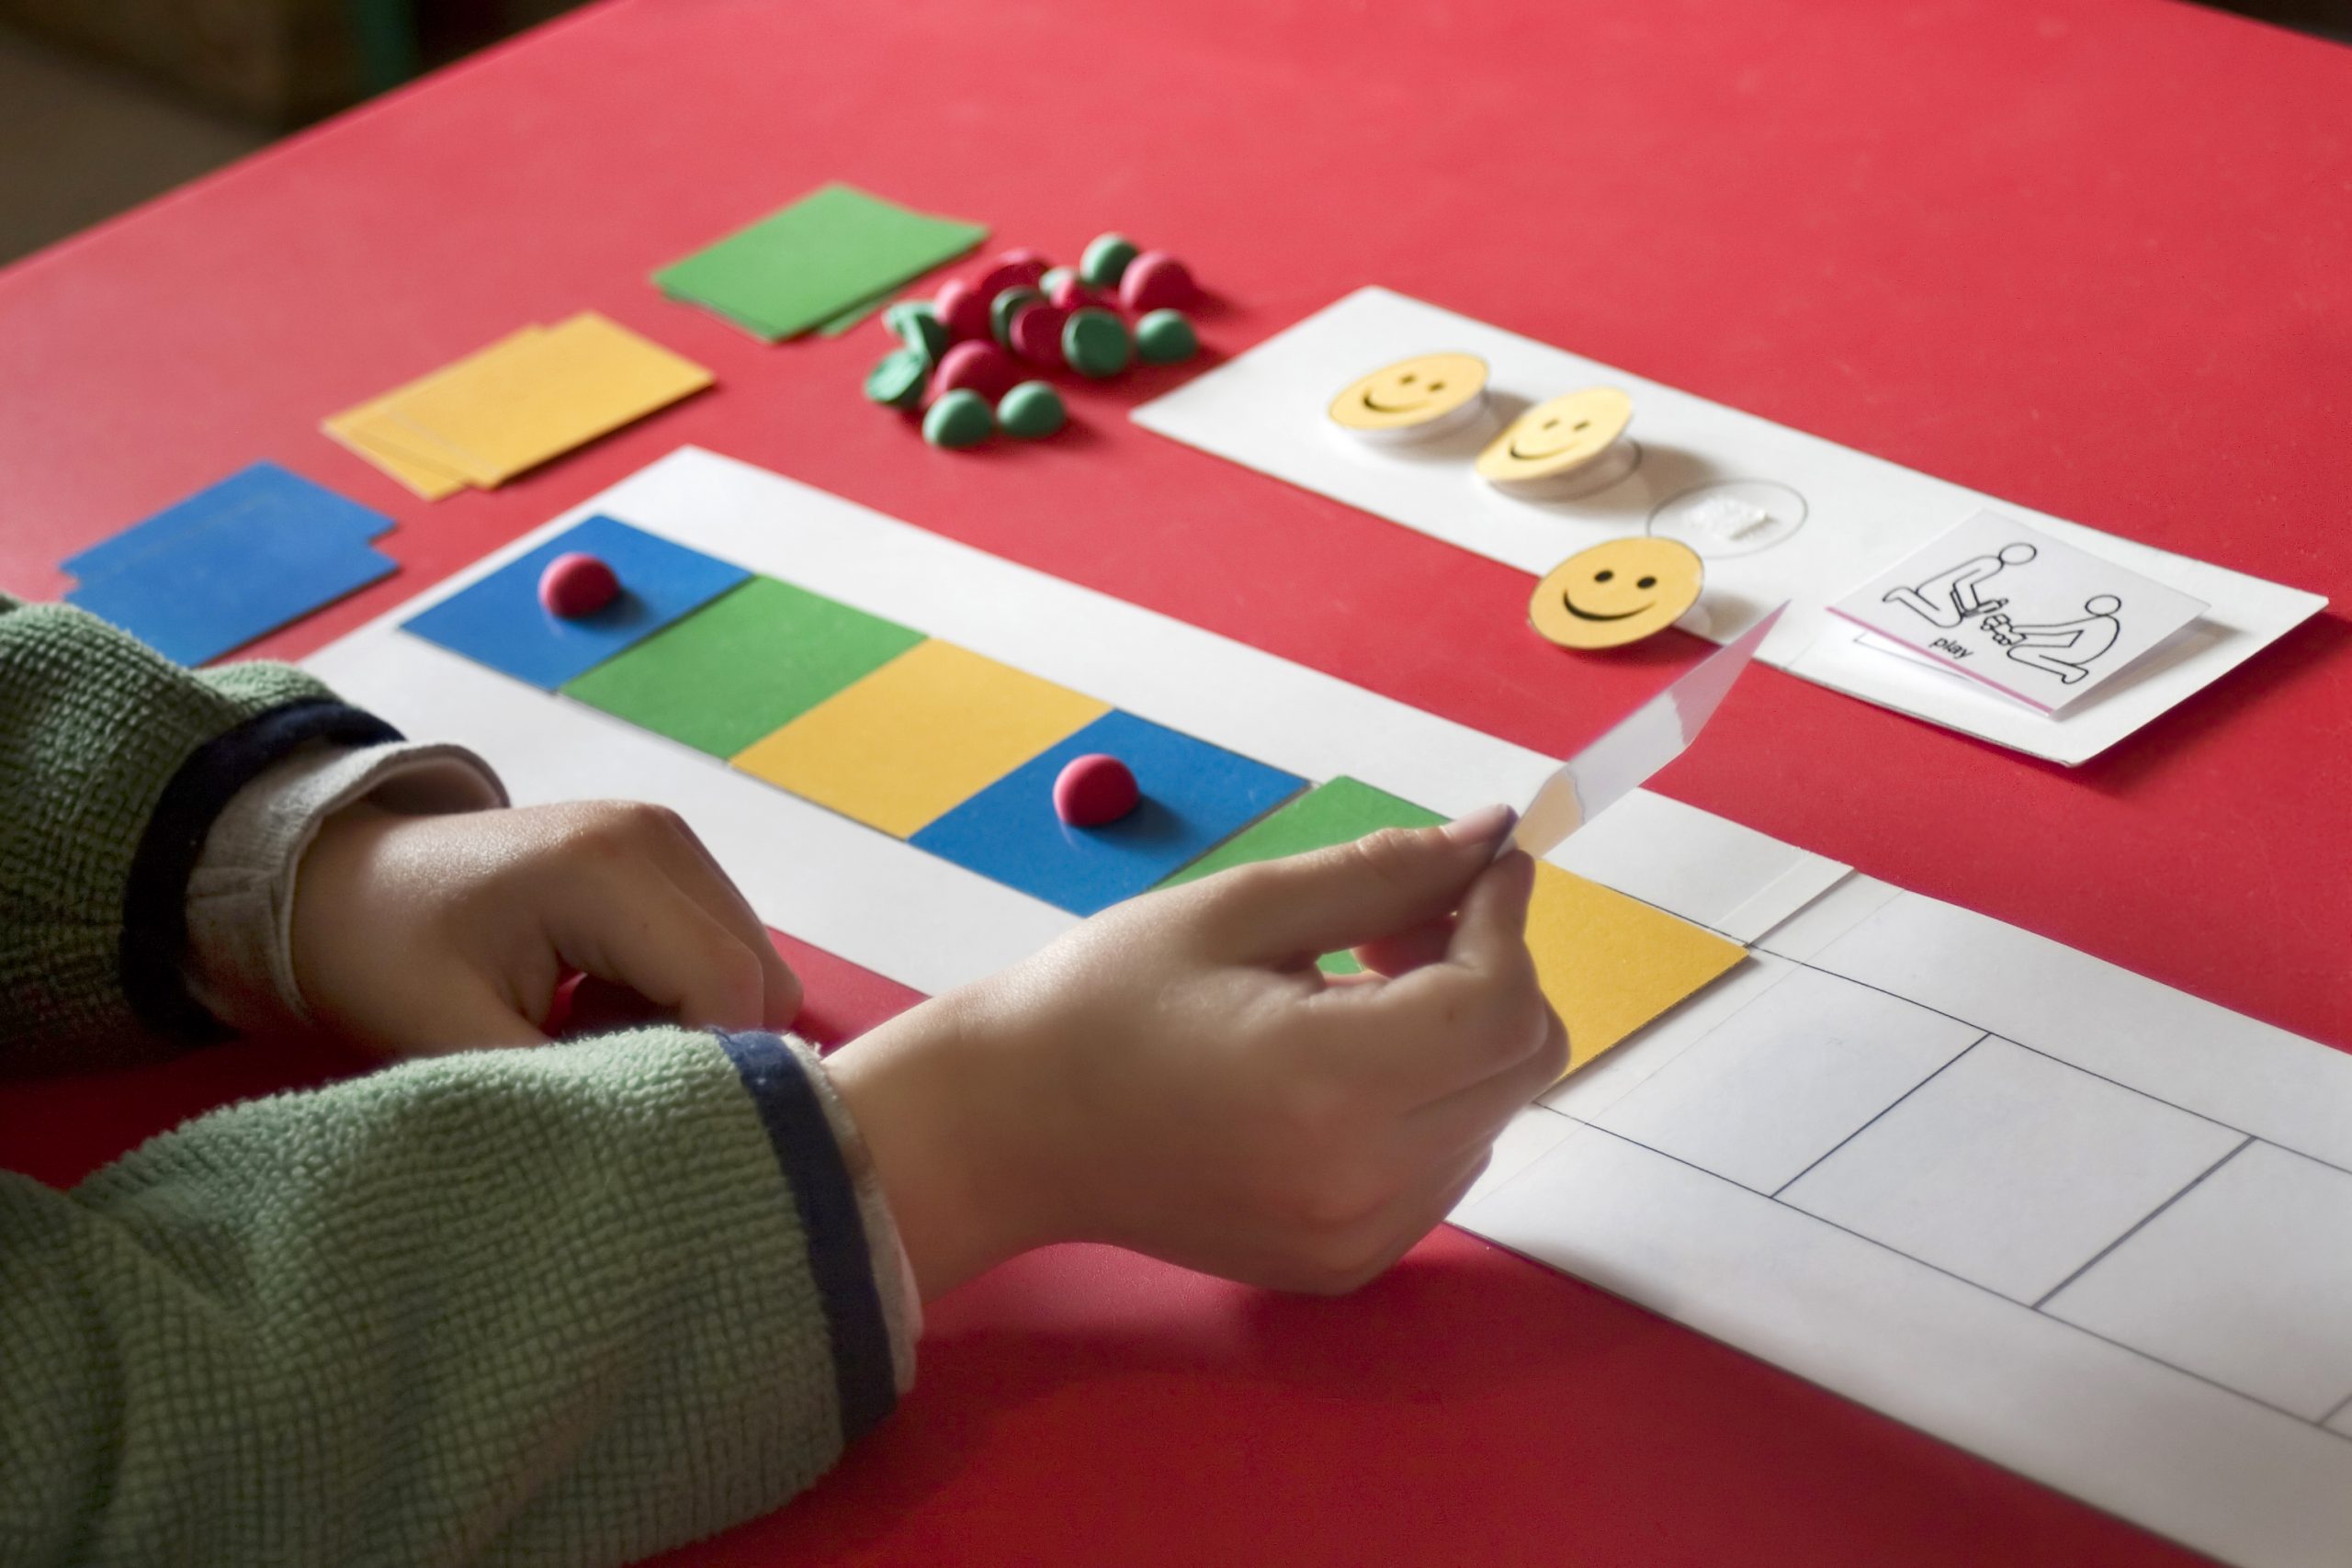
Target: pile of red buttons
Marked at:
963, 352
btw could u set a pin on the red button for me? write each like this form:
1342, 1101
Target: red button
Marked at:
1093, 790
574, 585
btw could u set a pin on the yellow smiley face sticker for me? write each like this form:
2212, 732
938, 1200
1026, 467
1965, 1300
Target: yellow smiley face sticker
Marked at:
1554, 439
1617, 593
1424, 396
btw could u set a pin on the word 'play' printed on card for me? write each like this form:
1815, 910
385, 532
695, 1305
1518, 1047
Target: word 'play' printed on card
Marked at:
2026, 614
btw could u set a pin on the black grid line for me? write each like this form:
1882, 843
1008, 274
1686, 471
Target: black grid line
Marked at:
2087, 1072
2142, 1223
1800, 1176
2152, 1359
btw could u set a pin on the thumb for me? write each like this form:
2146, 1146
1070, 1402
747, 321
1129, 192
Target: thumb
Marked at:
1357, 893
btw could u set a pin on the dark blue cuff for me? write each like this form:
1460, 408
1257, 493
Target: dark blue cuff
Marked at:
155, 905
840, 1258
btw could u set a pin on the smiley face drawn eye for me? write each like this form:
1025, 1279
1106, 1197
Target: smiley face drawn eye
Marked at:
1602, 576
1646, 582
1407, 380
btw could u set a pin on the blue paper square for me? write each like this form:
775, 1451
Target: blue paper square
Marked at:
241, 499
1195, 795
235, 560
498, 620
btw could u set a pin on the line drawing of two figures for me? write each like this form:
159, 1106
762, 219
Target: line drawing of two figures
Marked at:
2063, 649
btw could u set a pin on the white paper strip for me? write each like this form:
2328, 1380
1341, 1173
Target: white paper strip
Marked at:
2097, 1392
1778, 514
928, 923
1606, 771
2219, 1471
2085, 1225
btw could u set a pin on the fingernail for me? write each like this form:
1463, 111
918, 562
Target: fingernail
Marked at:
1484, 826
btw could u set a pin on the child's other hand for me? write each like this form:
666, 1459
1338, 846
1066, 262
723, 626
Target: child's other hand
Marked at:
414, 935
1177, 1077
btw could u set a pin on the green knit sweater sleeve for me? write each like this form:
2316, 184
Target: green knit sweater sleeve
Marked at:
568, 1305
549, 1306
113, 763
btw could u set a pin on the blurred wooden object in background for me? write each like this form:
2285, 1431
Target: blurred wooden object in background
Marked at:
278, 63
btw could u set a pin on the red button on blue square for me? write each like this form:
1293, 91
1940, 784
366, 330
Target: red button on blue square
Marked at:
498, 620
1195, 795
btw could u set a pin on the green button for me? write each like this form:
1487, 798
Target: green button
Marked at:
919, 327
959, 419
1031, 410
898, 379
1095, 343
1106, 259
1164, 337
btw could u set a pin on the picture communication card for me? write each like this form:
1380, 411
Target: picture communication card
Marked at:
2029, 615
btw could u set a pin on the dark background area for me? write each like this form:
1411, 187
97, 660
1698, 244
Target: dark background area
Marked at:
105, 103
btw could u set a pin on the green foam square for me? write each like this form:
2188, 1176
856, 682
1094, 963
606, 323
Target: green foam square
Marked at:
1335, 813
822, 258
743, 666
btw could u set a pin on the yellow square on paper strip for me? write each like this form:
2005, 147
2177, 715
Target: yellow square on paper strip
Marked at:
523, 403
918, 736
1610, 964
369, 432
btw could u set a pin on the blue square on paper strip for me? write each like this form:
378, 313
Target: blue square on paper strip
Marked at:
498, 622
1195, 795
237, 559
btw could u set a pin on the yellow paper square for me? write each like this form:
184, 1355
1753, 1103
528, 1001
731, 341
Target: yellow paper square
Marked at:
521, 403
374, 438
1611, 963
367, 430
918, 736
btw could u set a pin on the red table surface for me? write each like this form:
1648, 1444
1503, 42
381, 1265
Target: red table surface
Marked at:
2086, 255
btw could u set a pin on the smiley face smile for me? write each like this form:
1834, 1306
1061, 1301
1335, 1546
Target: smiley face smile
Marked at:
1378, 407
1556, 438
1584, 614
1556, 445
1421, 396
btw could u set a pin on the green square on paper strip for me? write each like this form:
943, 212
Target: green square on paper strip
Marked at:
743, 666
828, 253
1330, 814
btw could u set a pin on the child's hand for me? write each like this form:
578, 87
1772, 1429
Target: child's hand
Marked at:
421, 934
1177, 1077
